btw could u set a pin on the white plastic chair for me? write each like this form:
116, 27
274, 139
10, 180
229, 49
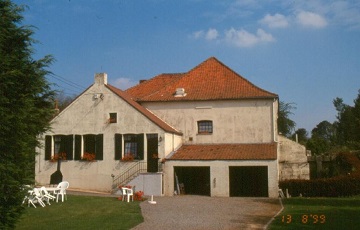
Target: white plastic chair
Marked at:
29, 192
130, 193
124, 193
61, 190
36, 197
46, 195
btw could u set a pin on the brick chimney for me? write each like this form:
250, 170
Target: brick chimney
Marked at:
101, 78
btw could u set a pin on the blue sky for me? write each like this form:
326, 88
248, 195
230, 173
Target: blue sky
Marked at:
308, 52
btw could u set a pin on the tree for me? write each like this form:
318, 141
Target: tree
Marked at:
285, 125
63, 101
26, 106
324, 130
302, 136
348, 123
322, 138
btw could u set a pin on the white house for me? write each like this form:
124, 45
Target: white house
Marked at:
208, 131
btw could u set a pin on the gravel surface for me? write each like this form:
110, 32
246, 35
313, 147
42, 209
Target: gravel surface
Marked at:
202, 212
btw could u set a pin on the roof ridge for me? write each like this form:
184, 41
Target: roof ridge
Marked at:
228, 68
209, 80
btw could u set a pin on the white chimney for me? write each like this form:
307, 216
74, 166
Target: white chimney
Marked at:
101, 78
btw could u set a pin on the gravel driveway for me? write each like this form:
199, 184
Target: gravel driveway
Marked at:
202, 212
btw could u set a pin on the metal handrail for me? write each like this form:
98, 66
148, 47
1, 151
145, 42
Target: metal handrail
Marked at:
131, 172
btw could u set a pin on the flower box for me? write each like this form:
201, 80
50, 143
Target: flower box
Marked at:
57, 156
88, 157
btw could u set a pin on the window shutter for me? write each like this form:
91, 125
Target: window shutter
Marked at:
99, 147
140, 143
77, 147
48, 147
118, 146
69, 148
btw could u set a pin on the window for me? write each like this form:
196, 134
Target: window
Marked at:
59, 146
205, 127
113, 118
130, 145
94, 144
89, 143
63, 146
134, 144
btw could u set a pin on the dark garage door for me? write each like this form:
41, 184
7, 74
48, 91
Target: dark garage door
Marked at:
248, 181
196, 180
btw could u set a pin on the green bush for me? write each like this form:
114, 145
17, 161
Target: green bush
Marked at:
347, 184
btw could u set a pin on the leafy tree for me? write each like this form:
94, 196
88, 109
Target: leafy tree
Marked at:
322, 138
26, 102
348, 123
302, 136
285, 125
324, 130
317, 146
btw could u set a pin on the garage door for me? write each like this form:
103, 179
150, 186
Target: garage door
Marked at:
195, 180
248, 181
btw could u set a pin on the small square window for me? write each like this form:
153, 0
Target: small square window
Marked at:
205, 127
113, 118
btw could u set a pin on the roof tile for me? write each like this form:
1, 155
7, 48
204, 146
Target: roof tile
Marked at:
262, 151
210, 80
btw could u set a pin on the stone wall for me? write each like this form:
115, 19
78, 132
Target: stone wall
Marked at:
293, 162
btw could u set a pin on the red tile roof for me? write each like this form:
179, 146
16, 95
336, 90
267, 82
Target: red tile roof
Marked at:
152, 117
153, 85
263, 151
210, 80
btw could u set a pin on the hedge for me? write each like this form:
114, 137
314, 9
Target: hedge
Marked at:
339, 186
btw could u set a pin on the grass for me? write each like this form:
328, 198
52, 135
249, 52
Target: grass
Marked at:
319, 213
83, 212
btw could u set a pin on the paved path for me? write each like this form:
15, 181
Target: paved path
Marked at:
202, 212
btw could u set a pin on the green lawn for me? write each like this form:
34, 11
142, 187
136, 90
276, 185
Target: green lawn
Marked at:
319, 213
83, 212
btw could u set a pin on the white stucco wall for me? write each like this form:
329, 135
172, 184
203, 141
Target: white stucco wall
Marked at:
149, 183
234, 121
219, 173
87, 115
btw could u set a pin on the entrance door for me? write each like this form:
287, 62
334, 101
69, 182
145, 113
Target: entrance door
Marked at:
195, 180
152, 152
248, 181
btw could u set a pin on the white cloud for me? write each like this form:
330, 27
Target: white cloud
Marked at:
264, 37
275, 21
310, 19
242, 38
124, 83
211, 34
198, 34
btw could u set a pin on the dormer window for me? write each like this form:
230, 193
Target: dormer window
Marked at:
180, 92
205, 127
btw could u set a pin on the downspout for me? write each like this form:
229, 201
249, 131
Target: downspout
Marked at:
274, 121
